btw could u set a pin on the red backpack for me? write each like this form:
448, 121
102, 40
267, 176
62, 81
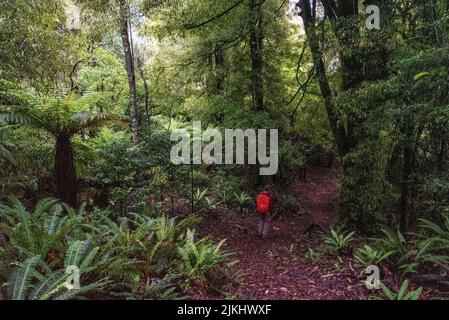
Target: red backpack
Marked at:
263, 202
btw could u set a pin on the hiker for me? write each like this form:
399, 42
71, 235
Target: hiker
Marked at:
264, 209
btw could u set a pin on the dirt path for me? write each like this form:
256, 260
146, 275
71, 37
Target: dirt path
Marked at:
276, 268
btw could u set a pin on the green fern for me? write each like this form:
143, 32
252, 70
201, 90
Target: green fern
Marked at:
200, 256
368, 256
21, 282
337, 240
402, 293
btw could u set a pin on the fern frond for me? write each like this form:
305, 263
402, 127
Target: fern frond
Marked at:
52, 282
22, 278
74, 253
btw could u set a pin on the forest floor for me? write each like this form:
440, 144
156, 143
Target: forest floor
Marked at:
277, 267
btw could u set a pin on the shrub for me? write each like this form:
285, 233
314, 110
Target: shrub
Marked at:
366, 197
368, 256
199, 257
393, 240
288, 204
243, 200
338, 239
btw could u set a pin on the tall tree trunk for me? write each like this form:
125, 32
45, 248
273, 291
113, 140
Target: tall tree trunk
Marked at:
219, 64
317, 56
406, 173
64, 171
146, 92
129, 64
256, 52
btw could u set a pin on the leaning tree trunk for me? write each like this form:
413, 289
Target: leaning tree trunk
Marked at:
64, 171
130, 71
338, 130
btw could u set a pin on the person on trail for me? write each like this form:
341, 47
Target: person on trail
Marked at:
264, 209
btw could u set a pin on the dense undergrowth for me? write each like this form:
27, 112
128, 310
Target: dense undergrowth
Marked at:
133, 256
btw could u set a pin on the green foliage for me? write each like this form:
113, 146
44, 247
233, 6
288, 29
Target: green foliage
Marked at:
58, 113
291, 248
38, 233
434, 195
288, 204
200, 179
393, 240
312, 254
199, 197
117, 255
243, 200
35, 280
114, 178
31, 35
402, 293
366, 207
203, 202
403, 252
291, 158
434, 242
368, 256
7, 158
227, 186
225, 196
338, 239
199, 257
154, 290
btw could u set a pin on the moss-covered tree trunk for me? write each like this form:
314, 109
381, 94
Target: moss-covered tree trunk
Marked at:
359, 62
130, 70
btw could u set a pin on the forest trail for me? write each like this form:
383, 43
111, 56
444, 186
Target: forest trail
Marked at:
277, 268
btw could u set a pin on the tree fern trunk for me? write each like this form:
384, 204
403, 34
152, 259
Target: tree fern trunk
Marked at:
64, 171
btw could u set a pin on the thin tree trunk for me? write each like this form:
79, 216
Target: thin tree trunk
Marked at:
64, 171
146, 92
129, 64
219, 69
256, 52
406, 173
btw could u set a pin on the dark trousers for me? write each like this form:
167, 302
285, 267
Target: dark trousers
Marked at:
264, 224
